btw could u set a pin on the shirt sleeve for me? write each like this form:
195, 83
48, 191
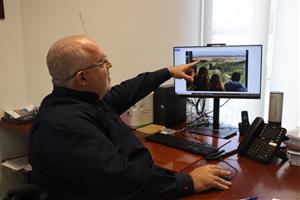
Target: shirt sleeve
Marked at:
184, 183
155, 188
123, 96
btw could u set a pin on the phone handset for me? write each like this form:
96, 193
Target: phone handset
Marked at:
252, 131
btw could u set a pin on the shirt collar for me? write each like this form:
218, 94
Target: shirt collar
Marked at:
90, 97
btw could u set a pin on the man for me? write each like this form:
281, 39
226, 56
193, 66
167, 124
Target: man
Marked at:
234, 84
79, 148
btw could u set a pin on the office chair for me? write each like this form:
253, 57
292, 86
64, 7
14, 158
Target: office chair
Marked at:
27, 192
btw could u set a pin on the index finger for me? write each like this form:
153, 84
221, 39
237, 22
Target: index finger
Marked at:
194, 62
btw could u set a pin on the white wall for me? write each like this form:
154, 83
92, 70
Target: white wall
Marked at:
12, 86
137, 35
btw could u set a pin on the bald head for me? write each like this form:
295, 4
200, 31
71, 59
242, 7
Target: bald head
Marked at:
70, 54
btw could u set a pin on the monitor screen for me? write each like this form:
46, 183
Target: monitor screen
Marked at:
223, 71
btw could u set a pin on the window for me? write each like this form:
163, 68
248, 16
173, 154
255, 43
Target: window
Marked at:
273, 23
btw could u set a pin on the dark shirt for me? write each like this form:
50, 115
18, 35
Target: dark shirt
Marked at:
79, 148
234, 86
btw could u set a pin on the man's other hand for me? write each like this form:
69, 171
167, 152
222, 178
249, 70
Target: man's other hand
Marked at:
209, 176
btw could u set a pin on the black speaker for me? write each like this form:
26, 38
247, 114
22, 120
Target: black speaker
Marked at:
169, 108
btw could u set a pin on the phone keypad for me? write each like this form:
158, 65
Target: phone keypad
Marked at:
261, 150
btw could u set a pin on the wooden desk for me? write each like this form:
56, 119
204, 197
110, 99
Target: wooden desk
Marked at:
266, 181
177, 160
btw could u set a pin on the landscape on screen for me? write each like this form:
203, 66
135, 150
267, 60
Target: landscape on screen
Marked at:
219, 73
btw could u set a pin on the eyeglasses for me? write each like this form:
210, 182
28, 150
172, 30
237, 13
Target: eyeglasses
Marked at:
98, 64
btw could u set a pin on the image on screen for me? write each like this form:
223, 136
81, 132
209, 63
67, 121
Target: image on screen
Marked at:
223, 71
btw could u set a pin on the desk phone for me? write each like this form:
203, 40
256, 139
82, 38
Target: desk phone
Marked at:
261, 141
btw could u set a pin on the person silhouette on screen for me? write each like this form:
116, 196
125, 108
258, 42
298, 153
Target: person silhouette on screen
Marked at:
190, 85
234, 84
215, 83
202, 79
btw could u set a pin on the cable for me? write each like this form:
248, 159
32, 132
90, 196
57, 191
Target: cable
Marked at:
219, 154
196, 112
232, 167
201, 117
224, 145
83, 24
219, 107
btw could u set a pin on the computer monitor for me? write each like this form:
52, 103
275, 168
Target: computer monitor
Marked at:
223, 72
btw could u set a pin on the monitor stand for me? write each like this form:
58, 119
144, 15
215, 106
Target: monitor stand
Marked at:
214, 129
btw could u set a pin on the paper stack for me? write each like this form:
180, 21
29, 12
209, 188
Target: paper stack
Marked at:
151, 128
19, 163
293, 146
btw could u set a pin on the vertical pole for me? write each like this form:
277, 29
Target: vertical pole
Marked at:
216, 113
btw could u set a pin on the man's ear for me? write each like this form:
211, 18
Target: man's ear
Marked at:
81, 78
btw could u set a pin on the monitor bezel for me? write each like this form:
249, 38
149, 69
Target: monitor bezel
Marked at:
207, 94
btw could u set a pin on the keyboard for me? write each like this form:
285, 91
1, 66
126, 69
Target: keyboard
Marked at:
182, 144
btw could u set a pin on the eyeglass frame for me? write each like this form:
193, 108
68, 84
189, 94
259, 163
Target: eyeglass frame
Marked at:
98, 64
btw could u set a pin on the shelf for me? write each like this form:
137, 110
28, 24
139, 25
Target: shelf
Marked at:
22, 128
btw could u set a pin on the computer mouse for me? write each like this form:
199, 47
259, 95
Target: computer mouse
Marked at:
227, 178
227, 167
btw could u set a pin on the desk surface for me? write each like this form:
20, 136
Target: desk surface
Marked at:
177, 160
280, 181
265, 181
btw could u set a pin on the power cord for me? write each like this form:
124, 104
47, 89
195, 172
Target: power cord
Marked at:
235, 171
202, 117
220, 155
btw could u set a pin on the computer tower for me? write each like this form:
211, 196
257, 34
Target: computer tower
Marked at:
169, 108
